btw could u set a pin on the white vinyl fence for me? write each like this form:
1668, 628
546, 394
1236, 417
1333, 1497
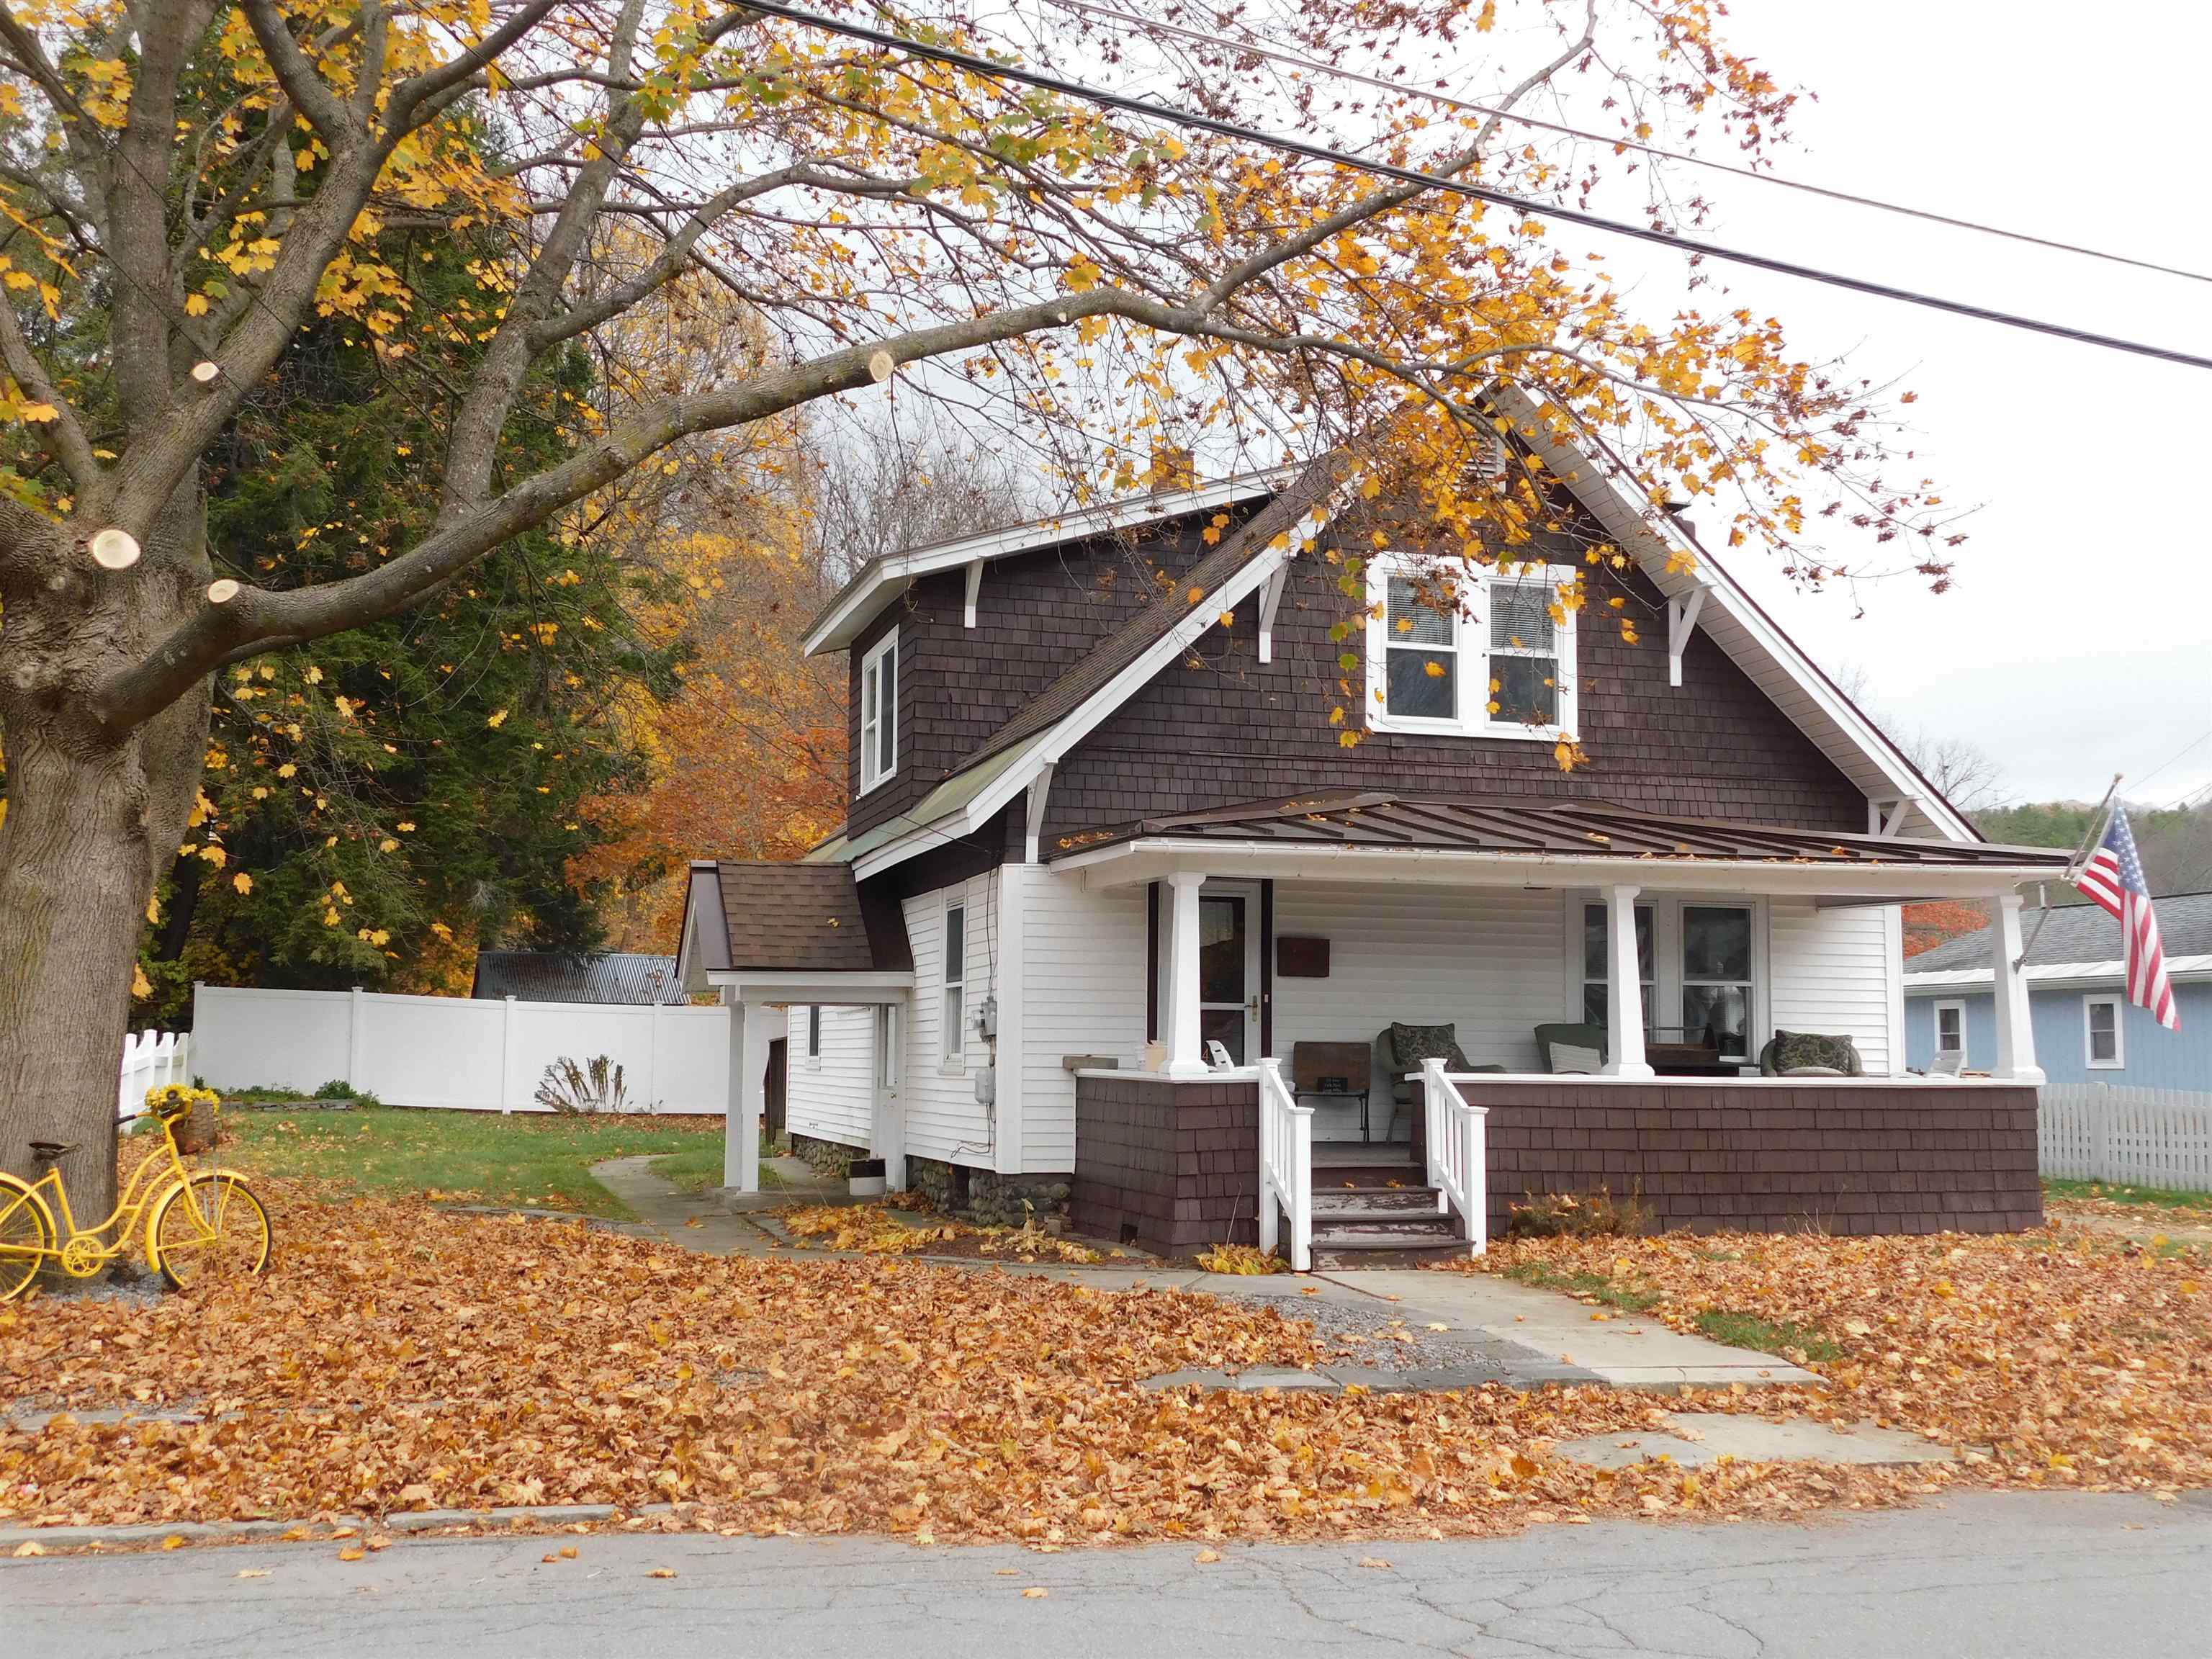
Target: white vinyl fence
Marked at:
471, 1054
151, 1059
2142, 1137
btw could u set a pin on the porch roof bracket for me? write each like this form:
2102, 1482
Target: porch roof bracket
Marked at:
974, 587
1886, 818
1681, 622
1033, 811
1271, 598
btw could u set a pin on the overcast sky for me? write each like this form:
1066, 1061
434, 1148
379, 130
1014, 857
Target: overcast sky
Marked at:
2077, 640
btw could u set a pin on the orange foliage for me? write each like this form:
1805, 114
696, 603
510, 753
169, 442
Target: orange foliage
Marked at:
1927, 925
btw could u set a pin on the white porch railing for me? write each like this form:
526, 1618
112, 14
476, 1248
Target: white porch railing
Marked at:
151, 1059
1459, 1152
2119, 1133
1286, 1165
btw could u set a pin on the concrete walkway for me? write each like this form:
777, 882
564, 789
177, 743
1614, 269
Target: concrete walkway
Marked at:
1979, 1576
1510, 1333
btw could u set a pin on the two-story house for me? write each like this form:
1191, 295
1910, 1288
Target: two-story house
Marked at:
1118, 909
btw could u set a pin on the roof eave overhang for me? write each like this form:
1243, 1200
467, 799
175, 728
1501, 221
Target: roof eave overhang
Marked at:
706, 940
793, 986
1151, 858
847, 617
2054, 977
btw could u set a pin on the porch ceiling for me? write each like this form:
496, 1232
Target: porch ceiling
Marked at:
1352, 834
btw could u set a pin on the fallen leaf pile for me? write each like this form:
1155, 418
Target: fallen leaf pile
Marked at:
1242, 1258
2048, 1358
398, 1356
874, 1230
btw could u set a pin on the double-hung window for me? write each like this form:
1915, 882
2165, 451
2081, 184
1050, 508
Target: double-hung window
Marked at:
879, 712
953, 1012
1716, 983
2102, 1044
1950, 1028
1468, 652
1596, 975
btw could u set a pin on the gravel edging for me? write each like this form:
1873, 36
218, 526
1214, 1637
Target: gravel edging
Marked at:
404, 1521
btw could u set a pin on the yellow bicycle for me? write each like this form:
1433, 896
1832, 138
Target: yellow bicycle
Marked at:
201, 1225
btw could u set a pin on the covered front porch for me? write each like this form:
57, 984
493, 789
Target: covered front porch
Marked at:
1581, 971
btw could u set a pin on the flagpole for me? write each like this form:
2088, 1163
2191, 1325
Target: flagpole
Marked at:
2074, 865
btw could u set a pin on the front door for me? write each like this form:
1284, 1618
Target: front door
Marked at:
1229, 968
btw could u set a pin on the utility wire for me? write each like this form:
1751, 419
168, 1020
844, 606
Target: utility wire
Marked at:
1257, 49
1176, 116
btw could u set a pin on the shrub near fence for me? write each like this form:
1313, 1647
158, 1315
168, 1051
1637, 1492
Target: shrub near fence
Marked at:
2138, 1137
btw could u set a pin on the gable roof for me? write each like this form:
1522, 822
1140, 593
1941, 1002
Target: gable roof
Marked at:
619, 976
1736, 623
1022, 750
2073, 942
748, 914
876, 584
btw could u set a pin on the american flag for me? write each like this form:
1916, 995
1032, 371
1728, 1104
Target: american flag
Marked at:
2114, 878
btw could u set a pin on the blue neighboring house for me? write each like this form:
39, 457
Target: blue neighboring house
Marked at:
2085, 1031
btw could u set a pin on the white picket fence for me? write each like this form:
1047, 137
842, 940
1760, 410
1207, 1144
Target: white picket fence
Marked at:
151, 1059
2142, 1137
474, 1054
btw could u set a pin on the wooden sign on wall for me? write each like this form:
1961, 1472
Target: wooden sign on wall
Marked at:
1299, 958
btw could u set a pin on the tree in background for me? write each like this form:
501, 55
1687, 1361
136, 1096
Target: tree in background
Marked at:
748, 758
215, 176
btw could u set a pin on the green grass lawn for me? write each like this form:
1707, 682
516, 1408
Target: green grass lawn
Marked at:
530, 1159
699, 1166
2161, 1198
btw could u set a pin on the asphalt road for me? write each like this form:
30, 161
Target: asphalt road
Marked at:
2021, 1576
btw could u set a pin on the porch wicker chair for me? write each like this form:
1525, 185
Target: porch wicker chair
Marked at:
1770, 1064
1386, 1069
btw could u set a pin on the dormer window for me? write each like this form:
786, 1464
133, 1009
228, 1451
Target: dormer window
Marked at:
879, 712
1469, 653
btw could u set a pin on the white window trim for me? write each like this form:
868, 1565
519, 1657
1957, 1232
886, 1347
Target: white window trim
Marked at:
952, 1037
811, 1036
873, 775
2117, 1003
1469, 635
1959, 1008
1666, 958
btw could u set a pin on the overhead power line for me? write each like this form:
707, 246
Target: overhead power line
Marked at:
1261, 49
1176, 116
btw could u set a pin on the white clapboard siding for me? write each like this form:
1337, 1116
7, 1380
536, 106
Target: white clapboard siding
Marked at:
1489, 961
1834, 972
832, 1097
938, 1095
2139, 1137
1082, 989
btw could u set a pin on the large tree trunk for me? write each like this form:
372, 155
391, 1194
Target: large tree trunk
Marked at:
92, 814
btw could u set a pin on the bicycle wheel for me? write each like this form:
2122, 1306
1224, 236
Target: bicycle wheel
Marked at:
28, 1236
206, 1230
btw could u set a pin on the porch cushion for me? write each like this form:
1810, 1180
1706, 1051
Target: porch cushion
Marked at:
1792, 1049
1566, 1057
1415, 1044
1581, 1035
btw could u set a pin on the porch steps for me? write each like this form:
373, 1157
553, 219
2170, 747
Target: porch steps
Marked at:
1374, 1199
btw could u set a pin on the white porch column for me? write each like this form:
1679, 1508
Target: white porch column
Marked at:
1624, 983
1186, 1057
2015, 1031
741, 1121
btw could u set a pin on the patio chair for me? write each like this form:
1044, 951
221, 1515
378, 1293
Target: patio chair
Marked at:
1805, 1053
1390, 1069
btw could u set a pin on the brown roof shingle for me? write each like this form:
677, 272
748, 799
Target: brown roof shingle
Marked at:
806, 918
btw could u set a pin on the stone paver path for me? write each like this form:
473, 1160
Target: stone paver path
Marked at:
1491, 1328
